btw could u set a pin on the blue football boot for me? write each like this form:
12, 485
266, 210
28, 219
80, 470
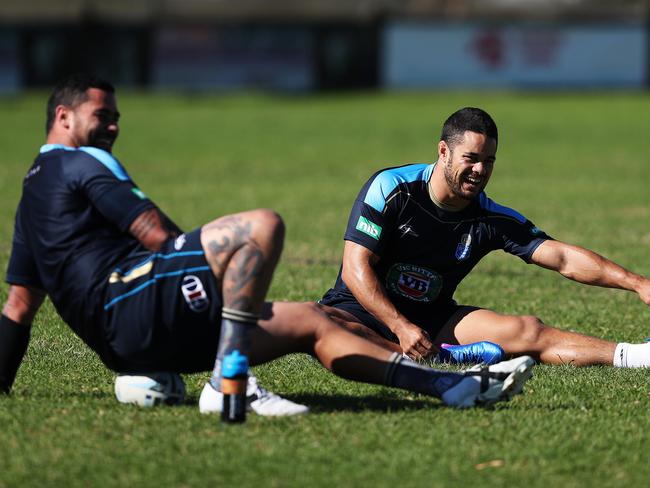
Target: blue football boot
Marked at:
475, 353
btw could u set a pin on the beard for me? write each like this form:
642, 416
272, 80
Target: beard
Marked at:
101, 139
455, 183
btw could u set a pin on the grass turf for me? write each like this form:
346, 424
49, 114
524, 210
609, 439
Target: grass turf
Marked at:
574, 164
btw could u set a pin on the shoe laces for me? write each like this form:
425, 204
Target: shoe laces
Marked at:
483, 372
259, 393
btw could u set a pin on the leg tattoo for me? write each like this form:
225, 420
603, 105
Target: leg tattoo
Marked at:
238, 262
244, 267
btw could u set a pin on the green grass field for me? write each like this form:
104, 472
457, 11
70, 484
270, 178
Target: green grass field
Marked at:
575, 164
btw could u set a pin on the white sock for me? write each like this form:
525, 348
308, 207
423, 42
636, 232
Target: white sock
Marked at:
632, 355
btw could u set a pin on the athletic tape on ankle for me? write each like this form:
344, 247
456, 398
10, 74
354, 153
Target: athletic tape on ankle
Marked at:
393, 361
239, 316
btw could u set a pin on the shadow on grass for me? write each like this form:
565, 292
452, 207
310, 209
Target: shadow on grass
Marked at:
316, 403
42, 393
345, 403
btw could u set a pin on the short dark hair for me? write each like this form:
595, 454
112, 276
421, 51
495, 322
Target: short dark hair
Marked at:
468, 119
71, 91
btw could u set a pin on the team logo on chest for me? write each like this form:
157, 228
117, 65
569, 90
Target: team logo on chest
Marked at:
464, 247
413, 282
194, 293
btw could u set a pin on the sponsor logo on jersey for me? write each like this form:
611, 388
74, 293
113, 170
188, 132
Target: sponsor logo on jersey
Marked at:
367, 227
179, 242
414, 282
194, 293
464, 247
139, 193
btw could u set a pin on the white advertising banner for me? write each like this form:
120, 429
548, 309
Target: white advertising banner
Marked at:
420, 55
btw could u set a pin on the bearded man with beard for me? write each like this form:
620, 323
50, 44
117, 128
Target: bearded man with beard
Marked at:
416, 231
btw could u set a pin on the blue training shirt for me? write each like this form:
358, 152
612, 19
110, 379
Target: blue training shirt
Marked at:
71, 228
426, 251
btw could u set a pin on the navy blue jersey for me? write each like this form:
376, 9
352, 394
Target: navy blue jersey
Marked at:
424, 250
72, 227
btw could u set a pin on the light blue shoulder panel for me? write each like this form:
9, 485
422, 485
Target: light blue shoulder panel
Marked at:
51, 147
107, 160
491, 206
100, 155
386, 181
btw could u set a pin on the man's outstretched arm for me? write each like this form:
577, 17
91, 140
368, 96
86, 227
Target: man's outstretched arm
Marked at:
360, 277
585, 266
15, 324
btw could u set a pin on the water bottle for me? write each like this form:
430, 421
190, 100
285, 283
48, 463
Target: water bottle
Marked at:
234, 378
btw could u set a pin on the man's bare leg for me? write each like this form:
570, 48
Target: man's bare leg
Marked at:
304, 327
242, 251
478, 353
351, 323
287, 327
518, 334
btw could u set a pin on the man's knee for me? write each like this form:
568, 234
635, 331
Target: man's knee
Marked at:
528, 329
312, 321
268, 218
268, 224
263, 227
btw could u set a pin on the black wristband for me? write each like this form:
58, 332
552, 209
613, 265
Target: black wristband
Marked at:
14, 338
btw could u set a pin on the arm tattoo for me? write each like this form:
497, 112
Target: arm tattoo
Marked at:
143, 224
169, 224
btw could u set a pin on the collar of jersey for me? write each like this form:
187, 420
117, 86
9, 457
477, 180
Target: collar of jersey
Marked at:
51, 147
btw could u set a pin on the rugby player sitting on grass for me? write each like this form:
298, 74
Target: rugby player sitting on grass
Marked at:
416, 231
148, 298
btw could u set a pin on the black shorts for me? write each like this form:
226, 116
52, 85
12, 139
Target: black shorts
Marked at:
432, 321
162, 310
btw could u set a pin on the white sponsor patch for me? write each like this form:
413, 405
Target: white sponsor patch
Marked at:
194, 293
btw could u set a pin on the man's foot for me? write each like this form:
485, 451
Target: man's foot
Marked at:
258, 399
150, 389
475, 353
486, 385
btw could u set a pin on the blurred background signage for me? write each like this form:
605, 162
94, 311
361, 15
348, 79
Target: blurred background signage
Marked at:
310, 45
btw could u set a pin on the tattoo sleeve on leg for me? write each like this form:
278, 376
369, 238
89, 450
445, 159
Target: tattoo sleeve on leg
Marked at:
248, 263
217, 255
238, 262
236, 234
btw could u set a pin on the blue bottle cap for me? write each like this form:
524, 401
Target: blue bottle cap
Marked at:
234, 364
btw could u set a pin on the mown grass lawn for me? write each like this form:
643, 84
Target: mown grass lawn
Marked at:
575, 164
